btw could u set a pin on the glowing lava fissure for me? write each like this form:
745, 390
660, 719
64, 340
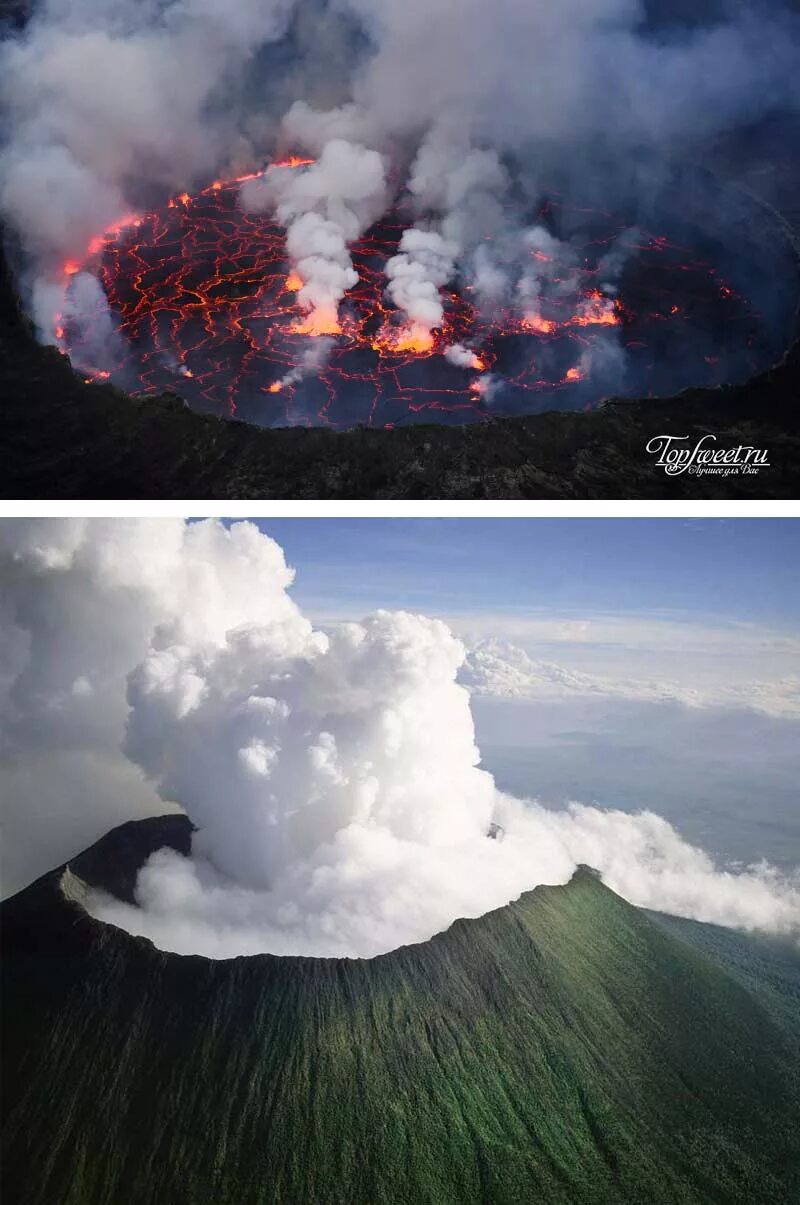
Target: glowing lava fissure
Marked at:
203, 299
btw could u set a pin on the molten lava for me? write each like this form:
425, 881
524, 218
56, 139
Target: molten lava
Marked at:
537, 325
291, 161
596, 310
205, 303
320, 321
395, 340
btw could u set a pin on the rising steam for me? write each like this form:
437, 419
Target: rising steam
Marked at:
324, 206
332, 776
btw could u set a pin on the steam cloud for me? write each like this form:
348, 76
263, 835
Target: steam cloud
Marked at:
333, 777
324, 208
112, 102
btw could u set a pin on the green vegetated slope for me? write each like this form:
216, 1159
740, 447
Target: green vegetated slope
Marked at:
770, 967
566, 1048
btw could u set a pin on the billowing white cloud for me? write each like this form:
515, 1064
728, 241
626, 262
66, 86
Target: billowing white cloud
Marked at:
113, 101
370, 889
333, 776
101, 90
80, 603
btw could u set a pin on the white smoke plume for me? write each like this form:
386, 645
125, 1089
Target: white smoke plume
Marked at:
490, 281
309, 130
519, 73
460, 190
425, 261
332, 776
79, 604
112, 104
461, 356
324, 207
312, 361
103, 96
85, 308
604, 362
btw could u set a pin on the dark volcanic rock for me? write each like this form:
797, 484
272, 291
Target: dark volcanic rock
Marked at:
62, 438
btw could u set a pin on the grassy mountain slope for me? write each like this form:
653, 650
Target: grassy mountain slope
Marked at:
566, 1048
770, 967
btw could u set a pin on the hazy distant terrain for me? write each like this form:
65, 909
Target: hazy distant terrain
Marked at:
726, 780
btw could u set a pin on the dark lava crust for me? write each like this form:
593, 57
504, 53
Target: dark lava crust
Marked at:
62, 438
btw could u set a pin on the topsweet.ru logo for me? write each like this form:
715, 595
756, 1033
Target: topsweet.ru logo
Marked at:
704, 459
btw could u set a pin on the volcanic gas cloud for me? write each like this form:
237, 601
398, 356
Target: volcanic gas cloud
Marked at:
455, 219
333, 776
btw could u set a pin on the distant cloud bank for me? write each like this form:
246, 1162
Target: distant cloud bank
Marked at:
498, 669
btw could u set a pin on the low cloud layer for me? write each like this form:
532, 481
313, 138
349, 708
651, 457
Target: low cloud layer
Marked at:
370, 890
497, 669
333, 776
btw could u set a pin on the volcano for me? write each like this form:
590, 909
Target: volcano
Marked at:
566, 1048
202, 300
75, 433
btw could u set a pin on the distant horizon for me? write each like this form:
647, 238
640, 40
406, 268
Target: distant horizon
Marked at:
736, 570
706, 611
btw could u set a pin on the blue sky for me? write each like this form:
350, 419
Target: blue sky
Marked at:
740, 570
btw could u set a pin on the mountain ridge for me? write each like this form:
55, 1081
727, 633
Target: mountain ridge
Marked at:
562, 1048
